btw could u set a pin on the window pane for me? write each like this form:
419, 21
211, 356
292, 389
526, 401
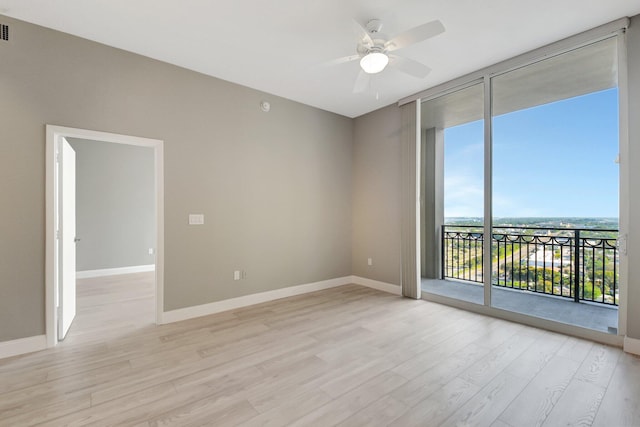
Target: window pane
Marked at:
453, 208
554, 180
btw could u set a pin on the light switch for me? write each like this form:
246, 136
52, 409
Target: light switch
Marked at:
196, 219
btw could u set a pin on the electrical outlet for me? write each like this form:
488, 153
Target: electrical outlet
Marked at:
369, 261
196, 219
236, 275
151, 251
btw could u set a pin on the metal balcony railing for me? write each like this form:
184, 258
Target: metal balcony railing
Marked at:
577, 263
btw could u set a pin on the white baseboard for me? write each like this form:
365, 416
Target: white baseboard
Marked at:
631, 345
22, 346
247, 300
375, 284
115, 271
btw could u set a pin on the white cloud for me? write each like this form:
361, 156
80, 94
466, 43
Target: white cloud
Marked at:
463, 196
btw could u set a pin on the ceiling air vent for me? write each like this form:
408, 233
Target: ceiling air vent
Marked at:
4, 32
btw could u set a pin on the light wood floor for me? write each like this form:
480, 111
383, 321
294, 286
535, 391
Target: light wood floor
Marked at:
348, 356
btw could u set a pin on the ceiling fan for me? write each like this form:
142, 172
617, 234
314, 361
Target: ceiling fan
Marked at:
375, 50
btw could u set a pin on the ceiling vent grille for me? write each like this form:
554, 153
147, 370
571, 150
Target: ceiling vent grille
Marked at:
4, 32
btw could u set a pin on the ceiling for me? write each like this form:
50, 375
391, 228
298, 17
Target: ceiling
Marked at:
282, 46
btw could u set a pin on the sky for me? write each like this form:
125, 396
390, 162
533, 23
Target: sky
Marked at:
554, 160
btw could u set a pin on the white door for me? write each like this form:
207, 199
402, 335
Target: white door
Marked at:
67, 200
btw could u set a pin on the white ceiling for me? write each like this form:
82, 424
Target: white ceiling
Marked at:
280, 46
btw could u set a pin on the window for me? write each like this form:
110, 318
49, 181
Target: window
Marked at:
452, 175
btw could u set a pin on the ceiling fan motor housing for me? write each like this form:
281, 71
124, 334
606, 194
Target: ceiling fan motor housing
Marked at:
374, 26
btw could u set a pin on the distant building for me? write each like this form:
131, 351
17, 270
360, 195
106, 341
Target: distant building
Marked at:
543, 256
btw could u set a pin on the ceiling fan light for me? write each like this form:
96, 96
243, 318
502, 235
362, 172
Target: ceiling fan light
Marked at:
374, 62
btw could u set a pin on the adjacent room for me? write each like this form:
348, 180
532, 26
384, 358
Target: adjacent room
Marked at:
381, 213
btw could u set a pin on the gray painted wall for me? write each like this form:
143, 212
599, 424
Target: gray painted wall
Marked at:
377, 189
115, 205
275, 188
376, 195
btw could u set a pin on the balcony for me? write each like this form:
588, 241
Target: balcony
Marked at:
570, 275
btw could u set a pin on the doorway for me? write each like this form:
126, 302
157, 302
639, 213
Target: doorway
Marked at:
56, 310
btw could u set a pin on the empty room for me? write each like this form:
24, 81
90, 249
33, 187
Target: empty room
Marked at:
376, 213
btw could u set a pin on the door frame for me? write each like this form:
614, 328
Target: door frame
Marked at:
54, 134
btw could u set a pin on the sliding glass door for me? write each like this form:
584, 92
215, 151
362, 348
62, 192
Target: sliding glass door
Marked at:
520, 189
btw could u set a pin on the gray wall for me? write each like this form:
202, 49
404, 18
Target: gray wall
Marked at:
377, 189
376, 195
115, 205
275, 187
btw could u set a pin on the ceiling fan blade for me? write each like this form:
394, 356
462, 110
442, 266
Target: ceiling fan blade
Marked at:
409, 66
362, 82
342, 60
415, 35
362, 34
